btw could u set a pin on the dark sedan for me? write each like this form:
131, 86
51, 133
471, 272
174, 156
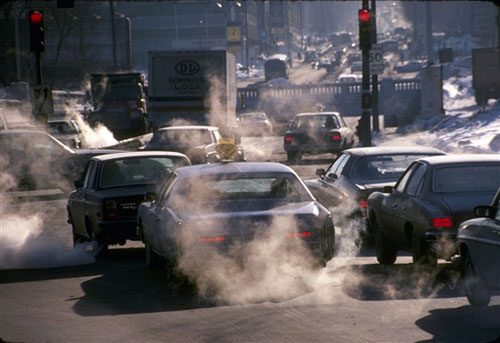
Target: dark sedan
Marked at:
198, 142
435, 194
317, 133
221, 208
103, 208
479, 246
358, 172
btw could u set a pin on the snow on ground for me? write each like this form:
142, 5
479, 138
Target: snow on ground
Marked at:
465, 127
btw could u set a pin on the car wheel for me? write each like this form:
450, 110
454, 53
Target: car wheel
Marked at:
477, 293
330, 240
77, 239
294, 156
422, 254
100, 246
386, 253
153, 260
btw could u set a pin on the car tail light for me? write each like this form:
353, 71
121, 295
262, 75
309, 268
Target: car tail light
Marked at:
442, 222
336, 137
110, 208
363, 203
299, 234
288, 139
211, 239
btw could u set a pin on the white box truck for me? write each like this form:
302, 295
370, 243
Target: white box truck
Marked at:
192, 87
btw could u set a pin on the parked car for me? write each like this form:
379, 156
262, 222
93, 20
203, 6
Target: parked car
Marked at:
422, 212
65, 130
317, 133
254, 124
358, 172
196, 141
478, 242
103, 207
349, 78
353, 57
227, 206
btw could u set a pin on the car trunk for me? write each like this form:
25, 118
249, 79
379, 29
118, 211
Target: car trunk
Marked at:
462, 204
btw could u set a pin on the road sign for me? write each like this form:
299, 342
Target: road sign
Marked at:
376, 58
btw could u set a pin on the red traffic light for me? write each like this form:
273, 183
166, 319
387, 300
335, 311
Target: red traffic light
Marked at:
364, 15
36, 17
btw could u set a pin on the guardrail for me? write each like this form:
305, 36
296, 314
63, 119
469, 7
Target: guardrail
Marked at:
399, 100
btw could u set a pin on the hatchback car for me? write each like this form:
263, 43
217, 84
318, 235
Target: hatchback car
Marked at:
220, 208
317, 133
422, 212
478, 242
103, 208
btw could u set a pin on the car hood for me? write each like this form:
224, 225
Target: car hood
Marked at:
249, 217
461, 205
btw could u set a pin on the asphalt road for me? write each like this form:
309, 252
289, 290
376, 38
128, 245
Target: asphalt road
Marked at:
116, 299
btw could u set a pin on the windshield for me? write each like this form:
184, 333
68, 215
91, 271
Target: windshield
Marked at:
61, 128
138, 171
382, 167
123, 92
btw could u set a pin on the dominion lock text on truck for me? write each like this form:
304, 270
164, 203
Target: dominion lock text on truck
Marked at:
192, 87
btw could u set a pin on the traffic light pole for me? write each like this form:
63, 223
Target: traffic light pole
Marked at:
38, 68
375, 110
365, 121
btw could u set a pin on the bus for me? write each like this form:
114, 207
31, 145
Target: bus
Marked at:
276, 66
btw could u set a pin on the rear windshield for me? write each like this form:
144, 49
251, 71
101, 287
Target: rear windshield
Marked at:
382, 167
315, 122
138, 171
467, 178
209, 190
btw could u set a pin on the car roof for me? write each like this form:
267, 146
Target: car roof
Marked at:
460, 158
312, 114
188, 127
379, 150
233, 167
131, 154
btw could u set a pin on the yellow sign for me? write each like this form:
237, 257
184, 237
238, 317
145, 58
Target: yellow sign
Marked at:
233, 34
234, 48
226, 149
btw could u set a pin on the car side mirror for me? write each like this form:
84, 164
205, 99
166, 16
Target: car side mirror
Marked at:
484, 211
151, 196
320, 172
78, 183
388, 189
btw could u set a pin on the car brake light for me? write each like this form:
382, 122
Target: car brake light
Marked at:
442, 222
110, 207
299, 234
336, 137
288, 139
363, 203
211, 239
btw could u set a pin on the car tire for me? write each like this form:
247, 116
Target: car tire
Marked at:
476, 291
422, 254
386, 253
330, 240
153, 260
294, 156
